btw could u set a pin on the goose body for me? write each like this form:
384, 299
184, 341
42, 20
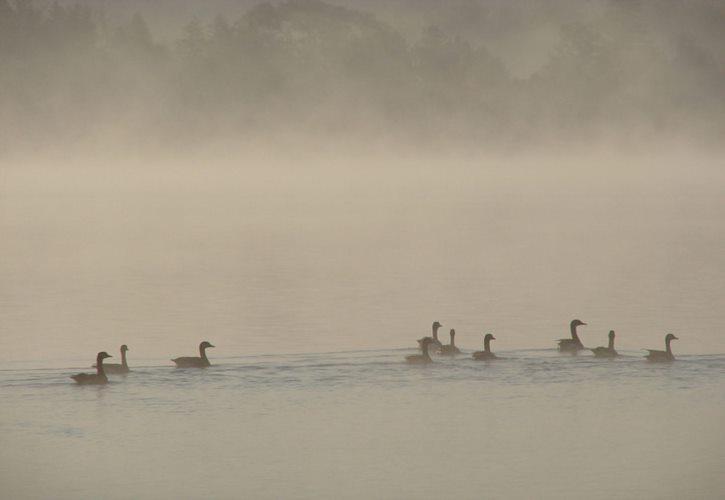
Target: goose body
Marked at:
434, 339
98, 378
665, 355
450, 349
424, 357
116, 368
486, 354
573, 344
606, 352
193, 361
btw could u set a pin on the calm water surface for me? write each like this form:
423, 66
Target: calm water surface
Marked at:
364, 424
304, 257
358, 257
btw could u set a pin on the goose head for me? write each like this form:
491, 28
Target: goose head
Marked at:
453, 332
124, 348
577, 322
104, 355
436, 325
611, 334
670, 337
425, 341
489, 337
205, 345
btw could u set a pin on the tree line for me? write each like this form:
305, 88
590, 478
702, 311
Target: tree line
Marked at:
309, 67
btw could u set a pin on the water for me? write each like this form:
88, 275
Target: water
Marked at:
314, 279
356, 254
364, 424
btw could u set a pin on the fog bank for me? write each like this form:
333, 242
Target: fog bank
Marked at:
421, 75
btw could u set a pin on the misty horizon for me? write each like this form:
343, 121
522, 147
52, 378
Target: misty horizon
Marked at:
348, 72
312, 187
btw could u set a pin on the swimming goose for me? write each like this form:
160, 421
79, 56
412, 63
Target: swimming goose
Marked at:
450, 349
97, 378
606, 352
486, 353
434, 339
424, 358
192, 361
665, 355
115, 367
573, 344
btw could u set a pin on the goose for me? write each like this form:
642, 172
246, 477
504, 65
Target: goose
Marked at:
573, 344
424, 358
665, 355
486, 353
606, 352
193, 361
97, 378
434, 339
115, 367
450, 349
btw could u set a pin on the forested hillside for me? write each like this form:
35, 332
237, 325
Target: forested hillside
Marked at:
646, 69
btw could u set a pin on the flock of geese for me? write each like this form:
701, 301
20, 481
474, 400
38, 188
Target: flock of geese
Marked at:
100, 377
572, 345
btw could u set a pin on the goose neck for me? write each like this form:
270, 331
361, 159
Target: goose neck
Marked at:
99, 366
424, 348
574, 335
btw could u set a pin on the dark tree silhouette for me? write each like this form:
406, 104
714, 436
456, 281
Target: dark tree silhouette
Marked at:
310, 67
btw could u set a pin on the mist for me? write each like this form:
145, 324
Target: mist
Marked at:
448, 157
308, 186
421, 75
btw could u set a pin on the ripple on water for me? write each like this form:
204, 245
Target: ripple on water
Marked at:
523, 419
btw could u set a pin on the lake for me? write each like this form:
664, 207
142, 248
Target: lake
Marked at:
363, 424
313, 276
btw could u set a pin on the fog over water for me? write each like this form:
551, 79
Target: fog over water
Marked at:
309, 185
320, 256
